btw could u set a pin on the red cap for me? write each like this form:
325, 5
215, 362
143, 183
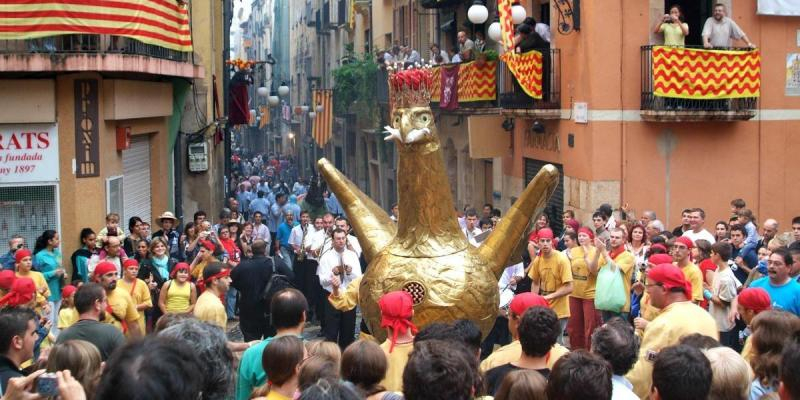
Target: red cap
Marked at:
209, 245
545, 233
574, 224
68, 290
524, 301
397, 308
756, 299
685, 241
670, 277
103, 268
660, 259
7, 278
22, 292
586, 231
130, 262
20, 254
178, 267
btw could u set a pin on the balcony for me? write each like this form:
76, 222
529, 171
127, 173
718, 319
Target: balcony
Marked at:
492, 89
671, 92
88, 52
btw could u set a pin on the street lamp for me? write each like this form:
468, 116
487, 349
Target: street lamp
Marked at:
274, 100
312, 115
262, 92
283, 90
304, 108
320, 108
518, 13
478, 13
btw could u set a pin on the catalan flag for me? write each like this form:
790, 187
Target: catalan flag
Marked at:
323, 123
506, 23
527, 68
706, 74
162, 23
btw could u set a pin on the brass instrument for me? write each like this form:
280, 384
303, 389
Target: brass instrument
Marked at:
301, 256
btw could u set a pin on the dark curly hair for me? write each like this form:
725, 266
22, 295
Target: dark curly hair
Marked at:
580, 375
440, 370
538, 331
682, 372
617, 344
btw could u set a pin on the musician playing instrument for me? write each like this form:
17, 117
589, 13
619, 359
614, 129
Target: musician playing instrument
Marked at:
343, 264
300, 235
507, 285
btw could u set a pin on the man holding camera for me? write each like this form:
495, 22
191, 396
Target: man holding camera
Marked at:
7, 260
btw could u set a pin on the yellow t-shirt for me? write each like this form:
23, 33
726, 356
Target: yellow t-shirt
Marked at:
66, 317
178, 297
209, 308
513, 351
552, 273
124, 309
583, 282
42, 290
140, 293
397, 360
692, 274
625, 262
675, 321
673, 35
273, 395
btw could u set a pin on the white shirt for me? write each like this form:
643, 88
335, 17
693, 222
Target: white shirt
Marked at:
333, 259
517, 270
543, 30
261, 231
471, 235
353, 242
703, 234
95, 259
321, 241
296, 236
622, 389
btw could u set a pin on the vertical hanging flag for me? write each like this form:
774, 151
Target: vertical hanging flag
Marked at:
506, 24
264, 117
449, 86
323, 124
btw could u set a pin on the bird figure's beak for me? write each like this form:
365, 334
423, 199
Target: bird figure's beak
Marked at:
417, 134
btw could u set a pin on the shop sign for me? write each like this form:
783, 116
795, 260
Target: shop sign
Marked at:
87, 133
28, 153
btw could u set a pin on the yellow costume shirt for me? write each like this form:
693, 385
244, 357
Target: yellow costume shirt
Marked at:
42, 290
513, 351
693, 275
397, 360
552, 273
66, 317
140, 293
347, 298
124, 309
178, 297
583, 282
209, 308
676, 321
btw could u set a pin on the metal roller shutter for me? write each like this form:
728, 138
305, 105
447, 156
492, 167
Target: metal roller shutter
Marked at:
136, 180
555, 207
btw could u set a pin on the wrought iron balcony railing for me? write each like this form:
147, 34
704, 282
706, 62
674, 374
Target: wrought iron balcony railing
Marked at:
90, 44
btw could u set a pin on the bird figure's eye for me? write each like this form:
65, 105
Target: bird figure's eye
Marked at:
396, 121
424, 118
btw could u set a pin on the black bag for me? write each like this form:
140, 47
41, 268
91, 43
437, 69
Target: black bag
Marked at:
277, 282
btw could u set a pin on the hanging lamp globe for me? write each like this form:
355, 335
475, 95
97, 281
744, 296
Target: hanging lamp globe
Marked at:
518, 13
478, 13
262, 92
274, 100
283, 90
494, 31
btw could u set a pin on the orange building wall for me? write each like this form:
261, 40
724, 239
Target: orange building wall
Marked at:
712, 162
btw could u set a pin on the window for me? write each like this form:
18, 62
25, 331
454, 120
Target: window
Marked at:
27, 211
114, 195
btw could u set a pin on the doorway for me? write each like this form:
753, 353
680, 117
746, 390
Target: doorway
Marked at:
695, 13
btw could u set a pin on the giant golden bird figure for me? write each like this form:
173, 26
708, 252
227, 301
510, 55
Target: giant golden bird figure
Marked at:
426, 253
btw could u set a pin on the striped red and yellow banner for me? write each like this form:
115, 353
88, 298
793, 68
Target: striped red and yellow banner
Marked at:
506, 23
706, 74
527, 68
475, 82
323, 123
162, 23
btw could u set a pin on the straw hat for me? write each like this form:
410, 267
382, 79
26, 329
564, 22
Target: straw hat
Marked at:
166, 215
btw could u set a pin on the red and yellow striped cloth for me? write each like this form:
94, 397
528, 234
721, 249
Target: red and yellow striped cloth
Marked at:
706, 74
527, 68
475, 82
323, 122
162, 23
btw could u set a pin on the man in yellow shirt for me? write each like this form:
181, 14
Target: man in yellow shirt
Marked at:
551, 276
136, 288
680, 252
396, 312
121, 310
622, 260
512, 351
209, 307
668, 290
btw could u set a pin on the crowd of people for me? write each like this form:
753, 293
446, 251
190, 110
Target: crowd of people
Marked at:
617, 307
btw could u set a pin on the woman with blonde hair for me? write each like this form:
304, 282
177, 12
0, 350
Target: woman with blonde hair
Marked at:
82, 359
732, 375
324, 349
522, 384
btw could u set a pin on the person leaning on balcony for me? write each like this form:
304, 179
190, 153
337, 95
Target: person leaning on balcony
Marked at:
673, 27
466, 47
719, 30
436, 53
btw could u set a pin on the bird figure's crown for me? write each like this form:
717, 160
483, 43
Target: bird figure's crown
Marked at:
410, 87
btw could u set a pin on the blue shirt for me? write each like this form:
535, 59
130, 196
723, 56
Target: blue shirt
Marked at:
261, 205
48, 262
284, 231
275, 217
8, 261
785, 297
